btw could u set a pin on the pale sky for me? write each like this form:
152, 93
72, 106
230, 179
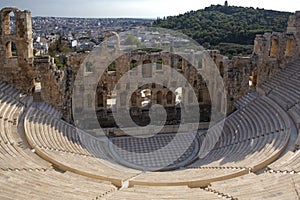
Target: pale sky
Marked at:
135, 8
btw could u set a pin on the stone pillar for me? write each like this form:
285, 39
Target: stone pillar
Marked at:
294, 28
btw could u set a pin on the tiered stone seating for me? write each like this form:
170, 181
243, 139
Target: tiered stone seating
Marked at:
24, 175
284, 77
158, 193
248, 141
245, 100
252, 138
286, 89
50, 184
8, 90
47, 109
264, 186
189, 177
13, 151
60, 144
290, 162
285, 92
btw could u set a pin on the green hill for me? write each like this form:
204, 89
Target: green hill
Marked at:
231, 29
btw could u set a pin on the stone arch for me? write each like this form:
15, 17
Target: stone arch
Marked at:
117, 37
9, 20
159, 97
147, 69
274, 47
290, 48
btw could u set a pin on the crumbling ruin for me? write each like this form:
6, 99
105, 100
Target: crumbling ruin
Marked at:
272, 51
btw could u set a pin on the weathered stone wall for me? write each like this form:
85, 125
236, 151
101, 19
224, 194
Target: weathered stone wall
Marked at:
19, 68
16, 50
272, 52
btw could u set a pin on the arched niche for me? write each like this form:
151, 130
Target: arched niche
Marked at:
290, 48
274, 48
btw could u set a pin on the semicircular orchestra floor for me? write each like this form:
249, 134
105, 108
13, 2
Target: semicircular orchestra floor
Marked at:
159, 152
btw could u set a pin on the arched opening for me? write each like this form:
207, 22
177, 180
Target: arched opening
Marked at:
9, 23
14, 50
159, 64
159, 97
169, 98
253, 79
147, 69
12, 23
11, 49
179, 95
112, 67
274, 48
200, 96
179, 64
146, 95
110, 103
290, 48
133, 64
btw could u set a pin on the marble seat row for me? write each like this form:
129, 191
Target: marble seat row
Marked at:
245, 100
246, 136
10, 91
59, 143
14, 154
264, 186
47, 109
158, 193
286, 93
50, 184
25, 175
289, 162
281, 77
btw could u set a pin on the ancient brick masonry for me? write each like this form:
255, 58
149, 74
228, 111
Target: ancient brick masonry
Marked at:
19, 67
272, 52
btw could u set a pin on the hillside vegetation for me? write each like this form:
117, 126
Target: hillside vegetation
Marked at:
231, 29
